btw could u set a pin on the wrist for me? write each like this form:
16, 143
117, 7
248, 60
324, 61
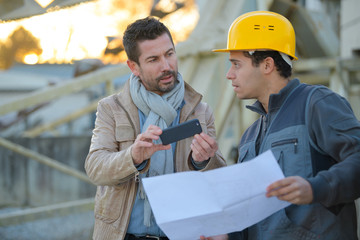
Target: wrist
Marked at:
134, 159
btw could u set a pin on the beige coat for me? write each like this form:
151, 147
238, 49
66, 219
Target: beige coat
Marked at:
109, 164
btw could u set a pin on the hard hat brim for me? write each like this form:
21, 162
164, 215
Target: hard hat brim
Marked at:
222, 50
229, 50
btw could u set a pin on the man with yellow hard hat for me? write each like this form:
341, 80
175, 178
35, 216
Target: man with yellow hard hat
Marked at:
311, 131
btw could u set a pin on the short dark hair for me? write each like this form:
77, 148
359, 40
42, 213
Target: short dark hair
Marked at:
148, 28
281, 66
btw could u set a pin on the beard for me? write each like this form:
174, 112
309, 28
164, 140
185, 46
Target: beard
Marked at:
168, 87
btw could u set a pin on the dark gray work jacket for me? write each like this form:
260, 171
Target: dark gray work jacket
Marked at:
294, 142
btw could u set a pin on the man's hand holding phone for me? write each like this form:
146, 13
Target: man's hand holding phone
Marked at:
144, 147
203, 147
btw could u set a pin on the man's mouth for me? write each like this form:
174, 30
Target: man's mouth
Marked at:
166, 78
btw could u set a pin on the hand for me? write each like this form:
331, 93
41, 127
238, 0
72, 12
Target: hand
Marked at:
292, 189
144, 147
203, 147
218, 237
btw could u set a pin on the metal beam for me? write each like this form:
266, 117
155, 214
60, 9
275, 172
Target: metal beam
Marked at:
19, 9
44, 160
314, 64
49, 93
68, 118
55, 210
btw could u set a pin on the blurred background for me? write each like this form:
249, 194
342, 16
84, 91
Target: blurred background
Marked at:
59, 57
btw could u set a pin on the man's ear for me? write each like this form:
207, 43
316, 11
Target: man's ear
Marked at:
134, 67
268, 65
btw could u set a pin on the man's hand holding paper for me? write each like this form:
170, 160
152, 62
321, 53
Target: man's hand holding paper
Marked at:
190, 204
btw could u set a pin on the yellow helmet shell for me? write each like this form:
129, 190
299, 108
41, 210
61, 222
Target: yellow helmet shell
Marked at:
261, 30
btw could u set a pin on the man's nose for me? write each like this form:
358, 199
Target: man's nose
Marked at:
229, 75
165, 64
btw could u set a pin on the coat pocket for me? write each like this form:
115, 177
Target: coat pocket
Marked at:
289, 155
124, 132
246, 152
291, 142
242, 155
110, 201
280, 226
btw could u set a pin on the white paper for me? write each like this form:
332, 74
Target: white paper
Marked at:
190, 204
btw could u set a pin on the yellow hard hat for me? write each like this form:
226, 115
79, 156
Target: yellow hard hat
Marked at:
261, 30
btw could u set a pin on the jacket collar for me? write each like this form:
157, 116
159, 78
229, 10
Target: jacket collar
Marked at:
192, 99
275, 100
128, 106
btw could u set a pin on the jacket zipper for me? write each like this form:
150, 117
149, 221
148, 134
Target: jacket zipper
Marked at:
286, 141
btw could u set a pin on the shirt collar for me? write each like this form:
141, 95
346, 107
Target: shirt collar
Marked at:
275, 100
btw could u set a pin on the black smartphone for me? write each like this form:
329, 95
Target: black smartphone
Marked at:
180, 131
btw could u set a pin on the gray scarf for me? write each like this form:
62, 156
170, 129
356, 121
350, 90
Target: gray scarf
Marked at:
159, 111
